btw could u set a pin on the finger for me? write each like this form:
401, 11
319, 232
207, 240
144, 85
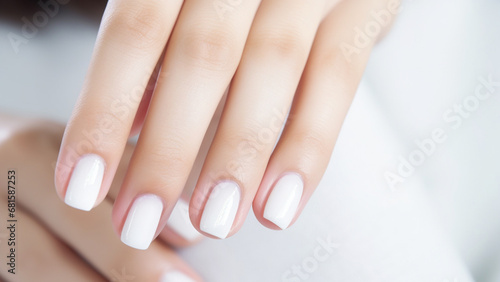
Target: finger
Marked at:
200, 61
179, 231
323, 98
34, 254
259, 98
130, 41
88, 234
116, 259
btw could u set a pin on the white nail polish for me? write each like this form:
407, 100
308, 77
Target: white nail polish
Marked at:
85, 182
175, 276
142, 221
179, 222
284, 199
220, 209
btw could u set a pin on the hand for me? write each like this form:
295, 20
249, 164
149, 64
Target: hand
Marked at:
56, 243
304, 56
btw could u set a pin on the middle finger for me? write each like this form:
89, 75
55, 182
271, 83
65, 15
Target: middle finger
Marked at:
200, 60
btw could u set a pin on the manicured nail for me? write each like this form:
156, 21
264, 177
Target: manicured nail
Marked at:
85, 182
142, 221
179, 222
175, 276
284, 199
220, 209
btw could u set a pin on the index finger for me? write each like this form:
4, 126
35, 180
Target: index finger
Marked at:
130, 41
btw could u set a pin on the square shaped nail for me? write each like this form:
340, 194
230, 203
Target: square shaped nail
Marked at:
284, 200
85, 182
220, 209
142, 221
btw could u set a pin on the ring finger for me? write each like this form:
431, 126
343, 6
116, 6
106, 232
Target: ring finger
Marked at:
258, 101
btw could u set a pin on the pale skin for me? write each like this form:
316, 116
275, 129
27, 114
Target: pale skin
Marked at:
271, 55
58, 243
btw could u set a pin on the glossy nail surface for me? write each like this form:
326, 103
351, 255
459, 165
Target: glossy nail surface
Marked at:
85, 182
142, 221
220, 209
284, 199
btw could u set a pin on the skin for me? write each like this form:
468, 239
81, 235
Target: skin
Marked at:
62, 240
274, 58
58, 243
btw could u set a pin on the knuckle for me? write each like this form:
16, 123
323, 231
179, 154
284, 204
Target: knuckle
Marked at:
333, 61
284, 43
171, 160
167, 153
141, 24
212, 49
252, 143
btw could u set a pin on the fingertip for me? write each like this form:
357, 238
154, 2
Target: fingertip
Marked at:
142, 221
85, 182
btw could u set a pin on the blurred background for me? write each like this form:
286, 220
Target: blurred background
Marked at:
434, 58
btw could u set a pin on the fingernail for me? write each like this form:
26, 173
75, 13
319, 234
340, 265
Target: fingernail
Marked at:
175, 276
179, 221
85, 182
284, 199
220, 209
142, 221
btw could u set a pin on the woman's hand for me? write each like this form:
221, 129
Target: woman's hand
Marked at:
53, 242
278, 57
